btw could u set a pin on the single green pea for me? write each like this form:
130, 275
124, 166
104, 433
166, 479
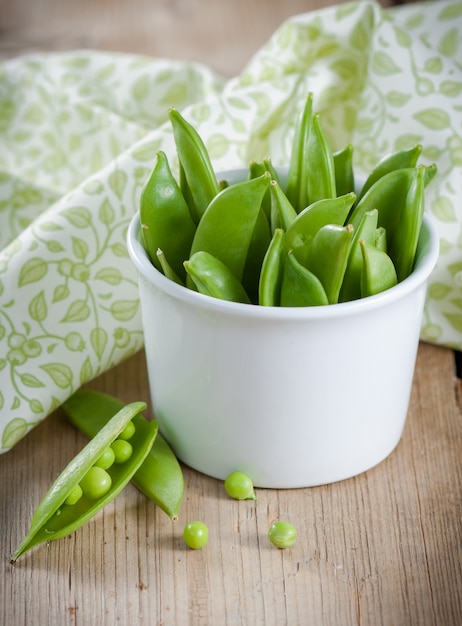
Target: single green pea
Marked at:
122, 450
282, 534
96, 483
239, 486
74, 496
195, 535
106, 459
213, 278
128, 431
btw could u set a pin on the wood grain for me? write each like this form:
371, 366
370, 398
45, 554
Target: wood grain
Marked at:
383, 548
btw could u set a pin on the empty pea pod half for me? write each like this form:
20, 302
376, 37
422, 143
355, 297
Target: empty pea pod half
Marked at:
83, 488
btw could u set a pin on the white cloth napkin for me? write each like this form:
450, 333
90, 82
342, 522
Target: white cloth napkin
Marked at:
79, 132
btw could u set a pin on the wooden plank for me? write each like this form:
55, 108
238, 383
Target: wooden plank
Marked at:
381, 548
222, 35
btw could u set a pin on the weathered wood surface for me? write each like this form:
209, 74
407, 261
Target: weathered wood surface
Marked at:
384, 548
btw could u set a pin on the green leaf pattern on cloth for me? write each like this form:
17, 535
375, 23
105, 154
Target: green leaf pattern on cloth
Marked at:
79, 133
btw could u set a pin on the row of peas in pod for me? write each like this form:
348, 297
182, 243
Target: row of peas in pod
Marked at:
303, 237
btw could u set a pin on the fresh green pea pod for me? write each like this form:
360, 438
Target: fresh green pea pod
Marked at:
351, 285
395, 161
320, 178
378, 271
299, 286
271, 169
159, 477
281, 206
234, 229
257, 169
387, 195
403, 245
165, 219
167, 268
198, 172
307, 224
213, 278
53, 518
296, 187
380, 239
271, 272
344, 172
328, 257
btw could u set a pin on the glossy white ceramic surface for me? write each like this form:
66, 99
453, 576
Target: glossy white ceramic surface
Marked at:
294, 397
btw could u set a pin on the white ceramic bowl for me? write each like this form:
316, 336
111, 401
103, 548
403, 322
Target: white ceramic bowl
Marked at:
294, 397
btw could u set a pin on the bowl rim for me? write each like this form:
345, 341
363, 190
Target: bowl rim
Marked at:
427, 256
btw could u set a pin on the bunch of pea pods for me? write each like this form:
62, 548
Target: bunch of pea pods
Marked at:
304, 237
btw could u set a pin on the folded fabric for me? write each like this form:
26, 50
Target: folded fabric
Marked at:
80, 132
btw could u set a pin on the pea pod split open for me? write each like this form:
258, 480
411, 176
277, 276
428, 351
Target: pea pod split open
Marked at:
160, 476
53, 518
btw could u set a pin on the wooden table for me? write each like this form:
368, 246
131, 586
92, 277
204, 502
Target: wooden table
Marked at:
383, 548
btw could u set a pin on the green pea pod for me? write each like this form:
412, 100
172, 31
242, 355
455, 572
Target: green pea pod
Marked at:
159, 477
380, 239
387, 195
395, 161
320, 164
378, 273
167, 268
213, 278
403, 245
165, 219
271, 169
257, 169
281, 206
344, 172
195, 160
328, 257
234, 229
296, 188
299, 286
53, 518
271, 272
351, 285
303, 229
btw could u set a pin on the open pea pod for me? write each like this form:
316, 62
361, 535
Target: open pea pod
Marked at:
328, 257
391, 162
378, 271
213, 278
309, 222
234, 229
269, 288
53, 518
299, 286
160, 476
166, 223
351, 285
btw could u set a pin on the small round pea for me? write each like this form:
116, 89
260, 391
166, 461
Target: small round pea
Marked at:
96, 483
74, 495
106, 459
128, 431
195, 535
282, 534
239, 486
122, 450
